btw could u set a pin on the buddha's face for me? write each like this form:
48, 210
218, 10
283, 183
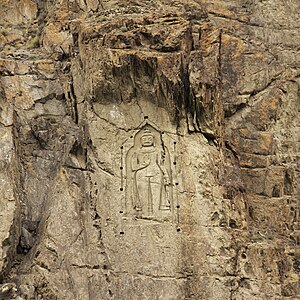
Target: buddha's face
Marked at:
147, 141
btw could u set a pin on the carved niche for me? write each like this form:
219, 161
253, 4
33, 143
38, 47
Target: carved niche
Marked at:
149, 182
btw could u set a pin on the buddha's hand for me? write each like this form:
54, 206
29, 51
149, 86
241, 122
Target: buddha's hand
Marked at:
166, 179
146, 162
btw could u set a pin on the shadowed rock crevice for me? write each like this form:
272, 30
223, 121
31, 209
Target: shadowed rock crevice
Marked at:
149, 150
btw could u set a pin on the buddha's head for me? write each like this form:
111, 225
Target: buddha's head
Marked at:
147, 139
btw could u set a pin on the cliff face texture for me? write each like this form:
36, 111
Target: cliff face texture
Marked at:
149, 149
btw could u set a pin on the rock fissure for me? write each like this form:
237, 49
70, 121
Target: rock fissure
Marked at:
99, 204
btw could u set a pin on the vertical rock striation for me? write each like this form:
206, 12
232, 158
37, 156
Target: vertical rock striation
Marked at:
149, 150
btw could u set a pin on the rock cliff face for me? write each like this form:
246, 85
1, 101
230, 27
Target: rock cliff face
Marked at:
149, 149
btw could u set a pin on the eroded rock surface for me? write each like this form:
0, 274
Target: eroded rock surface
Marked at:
149, 150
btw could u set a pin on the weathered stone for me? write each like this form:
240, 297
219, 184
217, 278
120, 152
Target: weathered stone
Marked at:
149, 150
255, 142
17, 12
249, 160
56, 39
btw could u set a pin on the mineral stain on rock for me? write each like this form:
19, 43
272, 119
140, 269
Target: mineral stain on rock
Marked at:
149, 150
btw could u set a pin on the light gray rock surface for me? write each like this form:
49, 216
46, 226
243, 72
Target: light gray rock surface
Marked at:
149, 150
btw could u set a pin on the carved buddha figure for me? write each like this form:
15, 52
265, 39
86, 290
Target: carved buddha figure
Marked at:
150, 174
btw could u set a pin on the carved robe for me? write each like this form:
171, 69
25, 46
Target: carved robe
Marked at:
148, 175
150, 181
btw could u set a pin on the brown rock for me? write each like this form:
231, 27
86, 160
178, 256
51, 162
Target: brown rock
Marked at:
149, 149
55, 39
